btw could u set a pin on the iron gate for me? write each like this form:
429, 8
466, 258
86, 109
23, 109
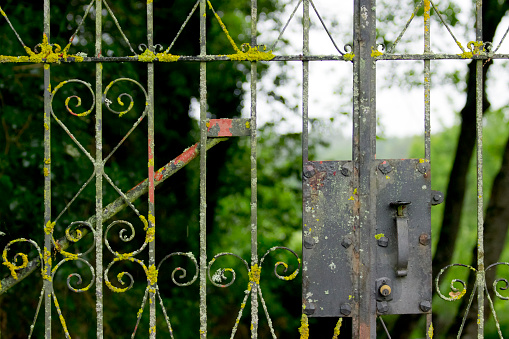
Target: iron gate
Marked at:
365, 193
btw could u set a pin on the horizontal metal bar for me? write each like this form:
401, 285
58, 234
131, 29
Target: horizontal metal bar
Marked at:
297, 57
228, 127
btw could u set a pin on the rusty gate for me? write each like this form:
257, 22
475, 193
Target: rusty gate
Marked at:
366, 222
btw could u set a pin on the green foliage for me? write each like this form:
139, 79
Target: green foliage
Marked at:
177, 200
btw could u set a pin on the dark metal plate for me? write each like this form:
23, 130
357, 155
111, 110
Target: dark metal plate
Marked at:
406, 180
328, 243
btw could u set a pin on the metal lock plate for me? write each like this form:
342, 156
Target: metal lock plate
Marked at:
406, 260
328, 244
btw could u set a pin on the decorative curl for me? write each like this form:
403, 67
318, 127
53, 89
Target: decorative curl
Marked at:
68, 99
124, 238
121, 275
119, 98
219, 276
500, 280
455, 294
12, 266
75, 238
280, 263
70, 276
182, 271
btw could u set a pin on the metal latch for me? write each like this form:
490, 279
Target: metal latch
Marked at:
402, 237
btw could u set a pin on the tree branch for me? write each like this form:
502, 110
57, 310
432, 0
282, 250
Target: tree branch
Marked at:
116, 206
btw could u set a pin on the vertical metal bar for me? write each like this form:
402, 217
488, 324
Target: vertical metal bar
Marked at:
203, 172
48, 284
151, 195
254, 176
427, 113
305, 82
99, 167
364, 156
427, 81
480, 217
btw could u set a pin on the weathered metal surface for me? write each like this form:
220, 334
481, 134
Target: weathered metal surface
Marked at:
404, 183
228, 127
328, 239
364, 254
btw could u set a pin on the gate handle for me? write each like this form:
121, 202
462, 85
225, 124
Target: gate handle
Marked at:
402, 235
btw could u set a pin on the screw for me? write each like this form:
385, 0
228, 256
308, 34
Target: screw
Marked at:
345, 309
309, 171
383, 242
424, 239
309, 242
347, 242
345, 171
425, 306
382, 306
310, 309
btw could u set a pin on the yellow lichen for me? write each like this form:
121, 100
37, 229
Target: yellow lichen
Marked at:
224, 28
2, 12
466, 55
47, 161
71, 237
152, 219
140, 312
254, 274
379, 236
427, 8
123, 256
46, 126
348, 56
248, 125
149, 56
145, 222
48, 229
69, 256
46, 172
430, 331
12, 267
115, 289
7, 58
151, 162
375, 52
149, 2
151, 232
337, 328
47, 263
153, 328
252, 54
152, 275
304, 327
166, 57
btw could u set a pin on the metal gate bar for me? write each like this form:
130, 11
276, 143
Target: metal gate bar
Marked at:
364, 57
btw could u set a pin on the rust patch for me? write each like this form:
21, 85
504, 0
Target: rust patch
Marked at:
224, 126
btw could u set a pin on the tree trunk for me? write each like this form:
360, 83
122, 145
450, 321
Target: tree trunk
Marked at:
492, 15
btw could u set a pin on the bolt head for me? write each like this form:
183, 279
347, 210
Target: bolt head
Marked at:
310, 309
383, 242
309, 171
385, 167
309, 242
347, 242
345, 171
382, 306
424, 239
425, 306
345, 309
